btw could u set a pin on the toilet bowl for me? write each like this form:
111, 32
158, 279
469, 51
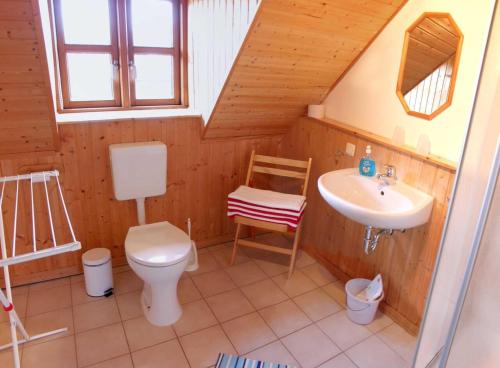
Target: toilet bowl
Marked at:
159, 253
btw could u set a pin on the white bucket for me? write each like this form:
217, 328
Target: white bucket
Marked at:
360, 311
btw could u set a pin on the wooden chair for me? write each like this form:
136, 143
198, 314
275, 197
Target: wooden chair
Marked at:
294, 169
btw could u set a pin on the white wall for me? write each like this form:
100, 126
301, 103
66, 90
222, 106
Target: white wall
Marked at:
465, 209
366, 97
217, 29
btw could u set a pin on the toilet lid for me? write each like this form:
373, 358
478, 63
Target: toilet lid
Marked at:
158, 244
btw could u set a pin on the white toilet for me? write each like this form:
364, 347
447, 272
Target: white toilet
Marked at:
160, 252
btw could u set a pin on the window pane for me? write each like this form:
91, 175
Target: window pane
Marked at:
90, 77
86, 22
154, 77
152, 23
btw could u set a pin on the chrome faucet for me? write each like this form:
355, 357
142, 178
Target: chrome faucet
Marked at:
389, 174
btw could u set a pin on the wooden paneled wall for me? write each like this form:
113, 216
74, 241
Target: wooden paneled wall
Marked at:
216, 32
26, 110
200, 174
294, 53
406, 261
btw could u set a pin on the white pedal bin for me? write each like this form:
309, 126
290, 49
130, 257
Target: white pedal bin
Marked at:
97, 271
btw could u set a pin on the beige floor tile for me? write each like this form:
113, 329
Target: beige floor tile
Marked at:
248, 332
127, 281
186, 291
121, 268
214, 248
373, 353
96, 314
213, 283
275, 352
44, 285
51, 354
142, 334
195, 316
229, 305
304, 259
337, 291
319, 274
271, 268
340, 361
380, 322
246, 273
101, 344
124, 361
7, 359
20, 303
264, 293
50, 321
284, 318
206, 263
129, 305
399, 340
167, 354
79, 294
310, 346
203, 347
46, 300
5, 331
223, 255
317, 304
342, 331
296, 285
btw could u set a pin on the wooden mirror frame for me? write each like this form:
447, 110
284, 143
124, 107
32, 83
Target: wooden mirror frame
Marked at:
454, 71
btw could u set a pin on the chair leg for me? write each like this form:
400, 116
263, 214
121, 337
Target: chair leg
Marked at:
295, 248
235, 245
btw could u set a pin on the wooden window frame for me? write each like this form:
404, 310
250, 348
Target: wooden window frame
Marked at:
122, 52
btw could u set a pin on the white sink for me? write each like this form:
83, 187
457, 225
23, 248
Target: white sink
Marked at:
365, 200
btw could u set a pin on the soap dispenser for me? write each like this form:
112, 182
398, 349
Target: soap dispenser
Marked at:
367, 163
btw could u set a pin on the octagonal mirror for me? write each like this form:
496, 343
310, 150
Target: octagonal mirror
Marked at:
429, 65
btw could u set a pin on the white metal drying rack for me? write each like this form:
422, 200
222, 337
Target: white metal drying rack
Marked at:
35, 253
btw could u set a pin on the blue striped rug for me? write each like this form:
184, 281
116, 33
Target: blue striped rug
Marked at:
234, 361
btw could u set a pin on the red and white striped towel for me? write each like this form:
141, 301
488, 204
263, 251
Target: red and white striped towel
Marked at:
268, 198
250, 203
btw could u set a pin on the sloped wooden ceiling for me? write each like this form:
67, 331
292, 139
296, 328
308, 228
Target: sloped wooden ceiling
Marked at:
294, 53
26, 111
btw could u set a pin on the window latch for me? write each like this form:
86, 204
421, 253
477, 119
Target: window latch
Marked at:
116, 70
131, 69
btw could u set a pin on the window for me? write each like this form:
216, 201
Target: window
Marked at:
119, 53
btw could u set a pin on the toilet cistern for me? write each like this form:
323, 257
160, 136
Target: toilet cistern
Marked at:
139, 170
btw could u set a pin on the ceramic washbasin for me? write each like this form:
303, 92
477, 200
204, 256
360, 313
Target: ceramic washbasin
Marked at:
367, 201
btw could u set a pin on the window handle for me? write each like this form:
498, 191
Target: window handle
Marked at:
116, 70
132, 70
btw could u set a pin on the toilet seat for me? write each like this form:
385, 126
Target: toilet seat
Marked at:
159, 244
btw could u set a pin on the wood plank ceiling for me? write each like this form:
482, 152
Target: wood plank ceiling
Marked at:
293, 54
26, 111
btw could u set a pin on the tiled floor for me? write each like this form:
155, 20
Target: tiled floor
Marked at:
249, 309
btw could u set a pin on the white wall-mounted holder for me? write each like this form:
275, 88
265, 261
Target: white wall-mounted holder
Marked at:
38, 250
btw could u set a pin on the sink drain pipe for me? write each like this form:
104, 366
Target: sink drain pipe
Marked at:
371, 241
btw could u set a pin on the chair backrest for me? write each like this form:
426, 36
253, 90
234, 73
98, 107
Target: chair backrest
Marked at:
293, 168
